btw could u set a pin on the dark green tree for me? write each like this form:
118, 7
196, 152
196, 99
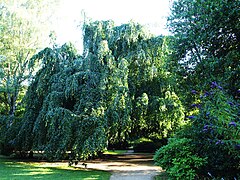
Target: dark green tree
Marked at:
206, 42
205, 58
85, 103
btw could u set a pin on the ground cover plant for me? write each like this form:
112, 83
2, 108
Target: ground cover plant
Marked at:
14, 169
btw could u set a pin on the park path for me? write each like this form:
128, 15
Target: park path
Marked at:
129, 166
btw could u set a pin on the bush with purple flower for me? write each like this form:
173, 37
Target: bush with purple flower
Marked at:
215, 130
213, 134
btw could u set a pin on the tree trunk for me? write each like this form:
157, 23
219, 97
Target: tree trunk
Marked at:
12, 106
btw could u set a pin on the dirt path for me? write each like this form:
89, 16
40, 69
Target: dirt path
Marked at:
127, 167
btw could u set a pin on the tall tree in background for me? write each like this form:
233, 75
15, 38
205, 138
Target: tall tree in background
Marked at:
24, 24
207, 42
20, 38
15, 56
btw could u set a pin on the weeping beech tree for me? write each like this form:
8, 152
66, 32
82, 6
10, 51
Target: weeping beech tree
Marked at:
116, 91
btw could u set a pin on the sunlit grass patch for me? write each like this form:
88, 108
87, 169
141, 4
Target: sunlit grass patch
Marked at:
115, 152
11, 169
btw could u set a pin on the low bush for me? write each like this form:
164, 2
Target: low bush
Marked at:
179, 159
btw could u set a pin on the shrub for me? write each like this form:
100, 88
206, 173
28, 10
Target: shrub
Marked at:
179, 159
209, 145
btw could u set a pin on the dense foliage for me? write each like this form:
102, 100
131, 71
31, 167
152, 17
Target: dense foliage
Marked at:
206, 43
117, 91
209, 145
21, 35
206, 57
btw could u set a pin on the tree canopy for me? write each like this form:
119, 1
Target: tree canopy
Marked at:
206, 35
20, 38
118, 90
205, 58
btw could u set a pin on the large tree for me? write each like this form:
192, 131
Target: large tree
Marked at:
118, 90
20, 38
206, 43
23, 31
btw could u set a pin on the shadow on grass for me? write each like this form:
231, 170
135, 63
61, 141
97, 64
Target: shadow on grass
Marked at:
11, 169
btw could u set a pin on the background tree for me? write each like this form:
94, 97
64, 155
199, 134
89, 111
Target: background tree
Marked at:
20, 39
21, 36
206, 42
15, 59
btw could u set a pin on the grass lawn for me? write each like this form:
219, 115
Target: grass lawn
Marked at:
14, 170
115, 152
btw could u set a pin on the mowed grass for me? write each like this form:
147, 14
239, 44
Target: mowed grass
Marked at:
115, 152
14, 170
